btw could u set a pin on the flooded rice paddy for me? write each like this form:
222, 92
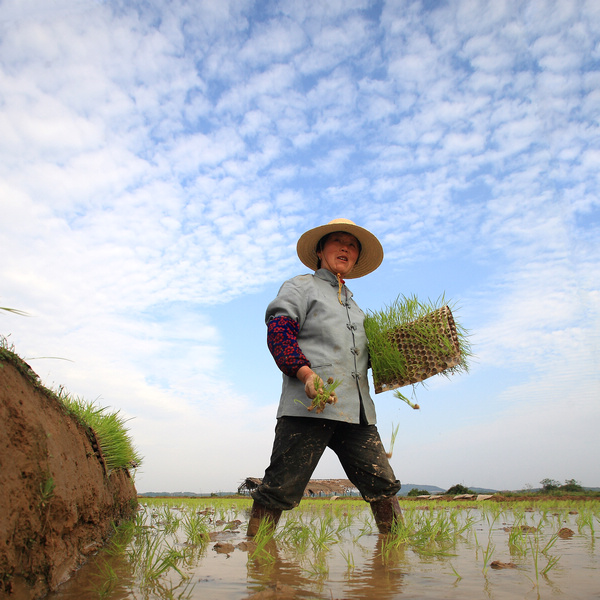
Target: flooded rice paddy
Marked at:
330, 549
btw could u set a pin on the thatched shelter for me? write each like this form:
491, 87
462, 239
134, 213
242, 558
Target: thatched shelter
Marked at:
315, 487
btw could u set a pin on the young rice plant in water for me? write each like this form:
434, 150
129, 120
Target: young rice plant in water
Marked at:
329, 549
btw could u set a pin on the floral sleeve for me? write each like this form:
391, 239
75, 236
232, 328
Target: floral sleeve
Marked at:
282, 333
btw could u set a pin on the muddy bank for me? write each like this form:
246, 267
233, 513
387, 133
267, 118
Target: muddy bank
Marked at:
57, 503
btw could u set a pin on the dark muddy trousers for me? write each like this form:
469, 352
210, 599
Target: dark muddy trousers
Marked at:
300, 443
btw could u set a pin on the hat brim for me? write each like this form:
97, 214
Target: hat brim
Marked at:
371, 253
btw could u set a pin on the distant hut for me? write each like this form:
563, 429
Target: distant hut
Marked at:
315, 487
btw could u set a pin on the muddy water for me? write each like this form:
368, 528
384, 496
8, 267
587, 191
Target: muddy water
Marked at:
332, 550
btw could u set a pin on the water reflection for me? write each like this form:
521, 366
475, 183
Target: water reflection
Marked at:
380, 577
269, 571
271, 574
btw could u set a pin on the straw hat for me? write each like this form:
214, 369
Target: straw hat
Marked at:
371, 253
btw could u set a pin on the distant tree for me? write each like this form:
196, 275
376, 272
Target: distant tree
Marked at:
418, 492
458, 489
549, 484
571, 486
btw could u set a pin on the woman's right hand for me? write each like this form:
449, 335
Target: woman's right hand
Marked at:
313, 384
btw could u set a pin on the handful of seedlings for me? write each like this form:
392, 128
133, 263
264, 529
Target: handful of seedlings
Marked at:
326, 395
410, 341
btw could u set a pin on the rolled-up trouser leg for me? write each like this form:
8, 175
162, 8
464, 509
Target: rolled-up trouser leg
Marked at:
366, 463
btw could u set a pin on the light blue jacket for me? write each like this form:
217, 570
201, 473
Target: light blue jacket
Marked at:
332, 337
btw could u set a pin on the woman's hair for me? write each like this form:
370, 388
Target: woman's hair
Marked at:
323, 241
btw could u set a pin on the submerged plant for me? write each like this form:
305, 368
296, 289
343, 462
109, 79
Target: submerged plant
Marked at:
410, 340
263, 540
107, 580
349, 558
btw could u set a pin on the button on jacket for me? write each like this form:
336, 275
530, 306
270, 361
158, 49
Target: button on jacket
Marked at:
333, 339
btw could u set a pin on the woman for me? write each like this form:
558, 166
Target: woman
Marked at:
316, 334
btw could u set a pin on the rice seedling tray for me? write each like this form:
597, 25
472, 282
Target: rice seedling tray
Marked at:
411, 341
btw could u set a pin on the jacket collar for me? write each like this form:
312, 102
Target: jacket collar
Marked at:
327, 275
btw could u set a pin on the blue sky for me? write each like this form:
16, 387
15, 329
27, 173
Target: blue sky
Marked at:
158, 162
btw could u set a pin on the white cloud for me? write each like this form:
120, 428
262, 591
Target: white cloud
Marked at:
157, 162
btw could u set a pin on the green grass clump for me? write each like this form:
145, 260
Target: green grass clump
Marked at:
109, 428
409, 319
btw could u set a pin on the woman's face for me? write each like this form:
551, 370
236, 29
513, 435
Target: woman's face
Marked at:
340, 253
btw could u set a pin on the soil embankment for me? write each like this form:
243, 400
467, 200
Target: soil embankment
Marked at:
57, 503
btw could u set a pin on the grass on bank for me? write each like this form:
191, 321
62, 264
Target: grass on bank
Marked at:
110, 429
107, 428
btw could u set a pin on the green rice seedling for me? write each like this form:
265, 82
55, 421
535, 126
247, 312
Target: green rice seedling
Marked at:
408, 342
157, 559
169, 591
109, 429
392, 550
166, 519
393, 440
545, 516
344, 522
398, 537
434, 529
122, 536
460, 527
585, 519
517, 541
535, 558
262, 540
195, 529
427, 534
319, 567
368, 526
324, 397
552, 560
487, 552
108, 579
349, 559
143, 547
295, 534
149, 554
324, 535
536, 552
456, 574
46, 491
487, 555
